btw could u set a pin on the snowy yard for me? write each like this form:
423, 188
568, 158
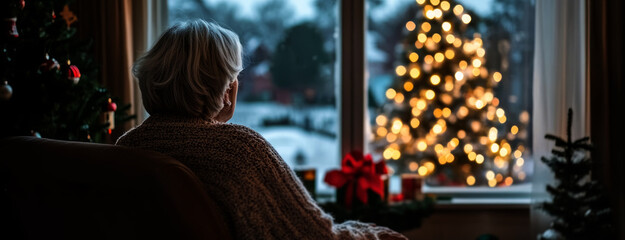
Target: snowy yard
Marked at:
317, 151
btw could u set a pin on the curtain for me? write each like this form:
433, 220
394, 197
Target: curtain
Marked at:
559, 84
149, 21
607, 100
122, 30
109, 23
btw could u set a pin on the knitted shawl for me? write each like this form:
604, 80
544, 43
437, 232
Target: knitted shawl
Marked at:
259, 194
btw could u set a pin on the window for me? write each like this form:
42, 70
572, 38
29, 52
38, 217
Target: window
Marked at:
287, 90
450, 89
293, 80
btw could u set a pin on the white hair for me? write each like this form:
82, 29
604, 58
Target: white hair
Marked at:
188, 70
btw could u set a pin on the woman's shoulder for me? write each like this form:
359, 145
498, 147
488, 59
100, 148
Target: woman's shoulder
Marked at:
157, 128
198, 125
235, 129
237, 133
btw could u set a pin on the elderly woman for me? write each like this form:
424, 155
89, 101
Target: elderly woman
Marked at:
188, 82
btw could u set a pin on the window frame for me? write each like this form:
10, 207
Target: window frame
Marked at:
353, 85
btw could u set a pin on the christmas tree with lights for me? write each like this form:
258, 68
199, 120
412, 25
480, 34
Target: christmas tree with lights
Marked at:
442, 119
49, 84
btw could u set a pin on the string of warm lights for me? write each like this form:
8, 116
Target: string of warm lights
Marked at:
442, 111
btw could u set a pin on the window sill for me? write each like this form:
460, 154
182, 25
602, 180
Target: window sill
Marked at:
513, 196
518, 195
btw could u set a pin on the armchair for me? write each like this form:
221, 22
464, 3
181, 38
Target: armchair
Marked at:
52, 189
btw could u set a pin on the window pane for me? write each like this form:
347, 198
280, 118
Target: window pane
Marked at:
286, 91
450, 89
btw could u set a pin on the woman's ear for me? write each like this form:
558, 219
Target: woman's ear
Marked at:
230, 99
232, 92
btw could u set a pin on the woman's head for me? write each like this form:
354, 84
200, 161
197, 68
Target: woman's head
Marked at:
192, 70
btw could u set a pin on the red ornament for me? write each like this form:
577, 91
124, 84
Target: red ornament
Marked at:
108, 116
11, 27
358, 173
111, 106
73, 74
22, 3
49, 64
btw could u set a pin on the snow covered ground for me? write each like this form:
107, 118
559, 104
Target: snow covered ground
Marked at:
320, 152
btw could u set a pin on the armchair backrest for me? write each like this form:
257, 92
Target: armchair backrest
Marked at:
51, 189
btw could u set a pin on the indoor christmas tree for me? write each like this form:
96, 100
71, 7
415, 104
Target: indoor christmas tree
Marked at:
442, 118
49, 84
580, 208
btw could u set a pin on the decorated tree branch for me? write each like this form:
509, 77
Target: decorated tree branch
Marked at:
49, 83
